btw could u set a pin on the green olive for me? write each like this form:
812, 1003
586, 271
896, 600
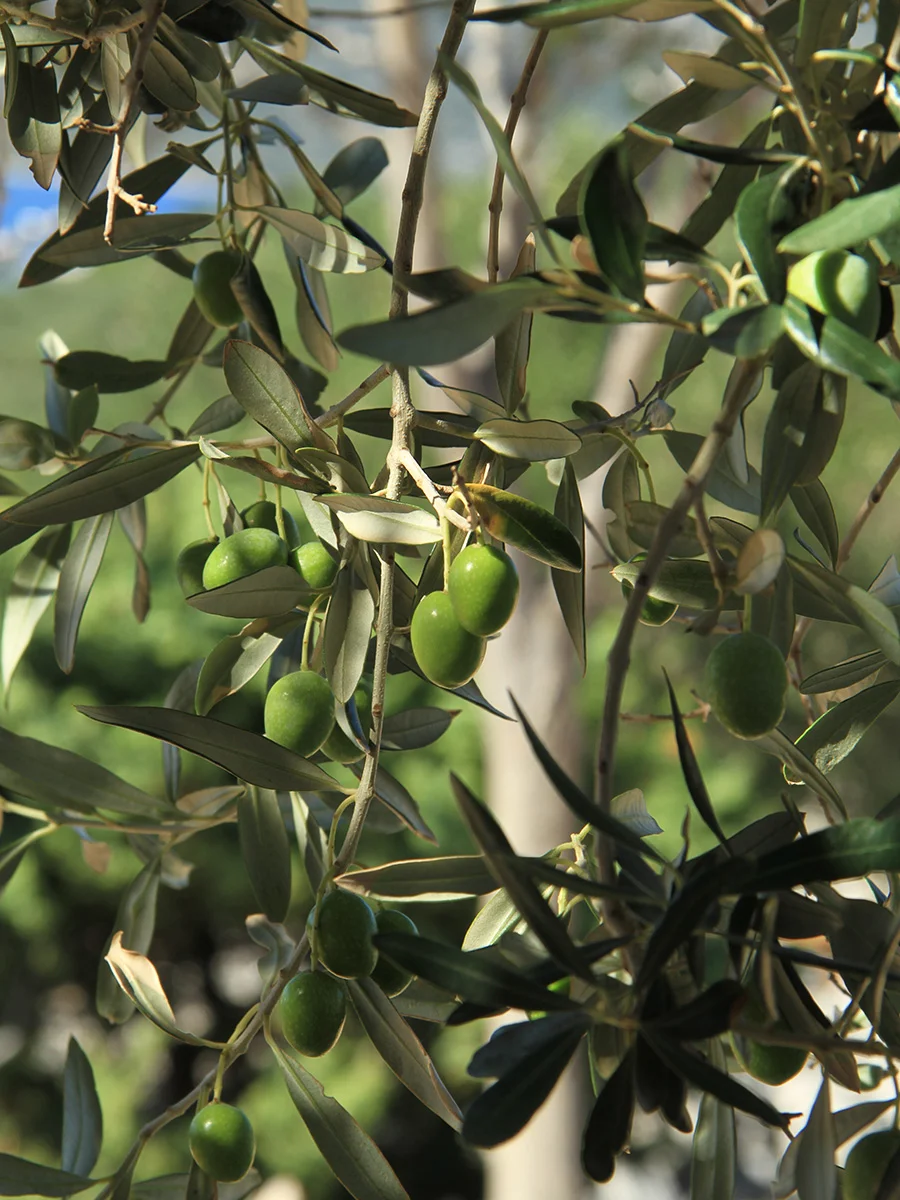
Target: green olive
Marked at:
243, 553
447, 654
299, 712
212, 278
483, 586
315, 564
344, 925
222, 1142
262, 515
313, 1007
189, 566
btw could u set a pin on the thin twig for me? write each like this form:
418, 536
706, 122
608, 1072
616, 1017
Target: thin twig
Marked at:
619, 658
700, 713
403, 412
332, 415
517, 103
153, 11
430, 492
21, 12
101, 32
705, 537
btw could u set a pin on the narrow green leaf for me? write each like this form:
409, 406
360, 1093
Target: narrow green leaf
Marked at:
609, 1124
75, 582
19, 1177
722, 484
759, 210
109, 373
505, 1108
348, 631
585, 809
525, 525
848, 224
816, 1171
858, 606
250, 757
614, 218
512, 345
533, 441
837, 732
473, 975
265, 850
449, 331
843, 674
323, 247
421, 879
402, 1050
540, 917
621, 487
33, 586
355, 168
82, 1126
54, 778
33, 122
799, 768
10, 69
551, 14
690, 768
713, 1150
349, 1151
814, 507
89, 494
267, 393
569, 586
272, 592
415, 728
236, 660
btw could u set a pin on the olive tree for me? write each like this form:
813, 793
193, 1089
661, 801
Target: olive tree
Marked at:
670, 976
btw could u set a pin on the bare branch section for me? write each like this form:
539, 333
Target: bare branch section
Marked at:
517, 104
619, 658
153, 10
402, 410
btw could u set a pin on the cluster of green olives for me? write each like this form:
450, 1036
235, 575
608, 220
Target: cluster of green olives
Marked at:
205, 565
313, 1005
222, 1142
449, 628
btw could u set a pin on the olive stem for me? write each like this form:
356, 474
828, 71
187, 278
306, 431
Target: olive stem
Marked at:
152, 12
332, 415
403, 411
307, 632
418, 474
279, 507
516, 105
619, 658
447, 549
207, 504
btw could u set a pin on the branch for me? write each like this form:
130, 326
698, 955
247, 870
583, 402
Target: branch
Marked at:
517, 103
619, 658
430, 492
402, 410
872, 501
334, 414
153, 11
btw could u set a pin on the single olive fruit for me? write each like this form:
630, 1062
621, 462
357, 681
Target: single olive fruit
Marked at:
345, 925
653, 611
447, 654
189, 566
222, 1142
769, 1064
746, 684
212, 277
315, 564
839, 284
299, 712
313, 1007
483, 586
390, 978
867, 1164
243, 553
262, 515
